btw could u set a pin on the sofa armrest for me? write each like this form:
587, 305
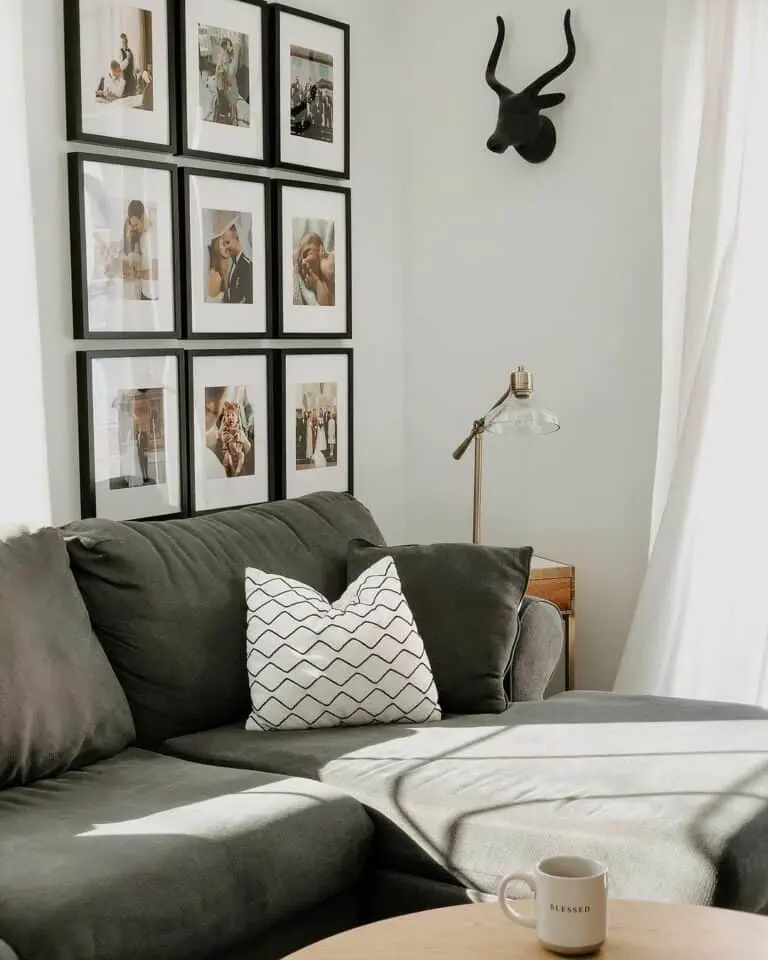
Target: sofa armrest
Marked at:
540, 649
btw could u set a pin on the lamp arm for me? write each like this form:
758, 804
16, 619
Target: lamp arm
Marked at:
478, 427
498, 403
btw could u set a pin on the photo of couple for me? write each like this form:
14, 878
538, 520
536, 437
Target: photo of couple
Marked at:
316, 425
125, 262
229, 433
224, 76
314, 262
121, 51
140, 438
229, 240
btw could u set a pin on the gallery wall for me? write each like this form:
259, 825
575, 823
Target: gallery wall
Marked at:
556, 266
377, 266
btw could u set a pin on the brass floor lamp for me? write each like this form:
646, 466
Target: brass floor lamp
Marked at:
513, 413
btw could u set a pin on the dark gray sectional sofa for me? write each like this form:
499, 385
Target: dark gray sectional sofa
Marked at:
163, 829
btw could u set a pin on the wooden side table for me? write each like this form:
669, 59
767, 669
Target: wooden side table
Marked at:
555, 581
636, 931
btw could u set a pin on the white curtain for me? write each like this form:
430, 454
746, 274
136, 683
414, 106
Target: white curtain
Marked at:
701, 625
24, 490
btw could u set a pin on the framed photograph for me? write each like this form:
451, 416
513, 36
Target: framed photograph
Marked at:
316, 388
314, 261
311, 92
123, 218
224, 99
228, 281
120, 73
132, 444
231, 425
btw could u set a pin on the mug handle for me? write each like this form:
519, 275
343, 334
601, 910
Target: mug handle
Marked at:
529, 881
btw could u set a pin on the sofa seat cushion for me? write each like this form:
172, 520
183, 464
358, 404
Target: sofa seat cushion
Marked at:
145, 855
671, 795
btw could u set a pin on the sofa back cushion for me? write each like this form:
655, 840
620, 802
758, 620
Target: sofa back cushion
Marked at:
167, 602
61, 705
465, 599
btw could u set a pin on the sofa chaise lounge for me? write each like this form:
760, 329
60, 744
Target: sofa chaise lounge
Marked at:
170, 831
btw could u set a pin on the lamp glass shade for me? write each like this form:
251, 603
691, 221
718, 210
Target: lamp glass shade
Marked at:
522, 416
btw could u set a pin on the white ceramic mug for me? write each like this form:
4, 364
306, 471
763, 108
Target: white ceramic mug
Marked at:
571, 912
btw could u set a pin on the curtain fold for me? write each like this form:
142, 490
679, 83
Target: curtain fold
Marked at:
701, 628
24, 484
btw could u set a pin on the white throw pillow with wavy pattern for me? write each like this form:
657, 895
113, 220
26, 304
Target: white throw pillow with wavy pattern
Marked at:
312, 663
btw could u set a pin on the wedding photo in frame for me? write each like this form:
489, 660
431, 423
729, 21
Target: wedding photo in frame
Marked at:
120, 73
224, 93
231, 428
228, 273
311, 92
313, 260
132, 441
316, 449
124, 224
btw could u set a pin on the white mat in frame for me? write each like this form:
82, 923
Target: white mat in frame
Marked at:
143, 117
313, 49
316, 388
223, 46
231, 428
216, 206
132, 445
313, 224
124, 217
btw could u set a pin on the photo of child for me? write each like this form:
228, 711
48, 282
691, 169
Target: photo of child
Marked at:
314, 262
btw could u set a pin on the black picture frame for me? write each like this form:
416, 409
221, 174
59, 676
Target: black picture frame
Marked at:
278, 257
185, 149
78, 254
282, 444
272, 484
74, 92
185, 173
84, 360
276, 11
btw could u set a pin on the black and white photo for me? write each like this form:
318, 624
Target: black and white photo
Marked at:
312, 92
231, 428
228, 284
313, 260
131, 436
120, 73
125, 270
316, 388
223, 94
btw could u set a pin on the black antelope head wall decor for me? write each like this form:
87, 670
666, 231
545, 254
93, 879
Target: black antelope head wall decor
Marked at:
521, 124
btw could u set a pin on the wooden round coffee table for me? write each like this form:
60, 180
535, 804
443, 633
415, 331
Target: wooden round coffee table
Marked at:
646, 931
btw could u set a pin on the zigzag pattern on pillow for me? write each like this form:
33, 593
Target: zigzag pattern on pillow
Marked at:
311, 663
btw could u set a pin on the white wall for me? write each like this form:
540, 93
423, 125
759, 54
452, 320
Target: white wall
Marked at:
465, 263
557, 266
377, 267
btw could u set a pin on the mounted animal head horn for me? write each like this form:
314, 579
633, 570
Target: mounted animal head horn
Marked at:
521, 124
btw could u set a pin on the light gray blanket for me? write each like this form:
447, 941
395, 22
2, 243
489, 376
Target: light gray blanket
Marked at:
672, 795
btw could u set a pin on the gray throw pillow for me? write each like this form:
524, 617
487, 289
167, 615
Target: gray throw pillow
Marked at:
61, 705
465, 600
